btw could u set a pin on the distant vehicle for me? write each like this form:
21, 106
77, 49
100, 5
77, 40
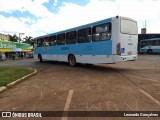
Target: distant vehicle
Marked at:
150, 46
107, 41
30, 55
2, 56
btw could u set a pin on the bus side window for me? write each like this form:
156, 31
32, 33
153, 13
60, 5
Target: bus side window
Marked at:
101, 32
71, 37
149, 43
158, 43
39, 42
45, 41
153, 42
61, 39
143, 44
52, 40
84, 35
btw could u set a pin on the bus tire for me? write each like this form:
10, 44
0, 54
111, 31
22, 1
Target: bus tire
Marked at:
40, 58
72, 60
149, 51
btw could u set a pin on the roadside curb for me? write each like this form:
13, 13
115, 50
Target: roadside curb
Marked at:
3, 88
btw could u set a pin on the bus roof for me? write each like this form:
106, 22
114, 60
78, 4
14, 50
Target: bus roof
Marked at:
83, 26
152, 39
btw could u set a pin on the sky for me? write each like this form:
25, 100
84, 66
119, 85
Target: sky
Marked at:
41, 17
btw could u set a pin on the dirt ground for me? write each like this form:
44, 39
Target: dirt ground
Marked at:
126, 86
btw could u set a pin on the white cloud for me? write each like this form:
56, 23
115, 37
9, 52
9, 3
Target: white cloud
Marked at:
9, 5
55, 3
41, 1
34, 7
70, 15
139, 9
37, 9
14, 26
142, 10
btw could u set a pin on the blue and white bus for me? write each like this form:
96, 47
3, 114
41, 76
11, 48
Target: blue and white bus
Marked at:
107, 41
150, 46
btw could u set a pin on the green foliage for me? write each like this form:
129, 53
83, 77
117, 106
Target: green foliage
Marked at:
28, 39
10, 74
14, 38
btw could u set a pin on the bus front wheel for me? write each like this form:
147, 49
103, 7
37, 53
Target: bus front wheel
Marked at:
149, 51
40, 58
72, 60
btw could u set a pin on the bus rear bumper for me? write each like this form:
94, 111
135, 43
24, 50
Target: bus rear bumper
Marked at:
118, 58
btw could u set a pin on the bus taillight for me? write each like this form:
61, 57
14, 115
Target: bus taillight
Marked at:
118, 49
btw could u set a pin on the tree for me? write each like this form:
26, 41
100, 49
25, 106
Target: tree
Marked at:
13, 38
28, 39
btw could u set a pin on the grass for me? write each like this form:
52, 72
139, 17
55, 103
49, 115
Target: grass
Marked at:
10, 74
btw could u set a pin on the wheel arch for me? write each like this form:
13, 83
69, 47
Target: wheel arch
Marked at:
150, 51
39, 55
71, 54
72, 60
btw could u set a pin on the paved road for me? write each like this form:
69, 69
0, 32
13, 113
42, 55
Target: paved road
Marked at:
127, 86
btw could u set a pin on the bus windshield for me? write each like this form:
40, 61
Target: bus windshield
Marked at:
128, 27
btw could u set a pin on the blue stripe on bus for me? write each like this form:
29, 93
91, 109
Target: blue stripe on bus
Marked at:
156, 50
92, 48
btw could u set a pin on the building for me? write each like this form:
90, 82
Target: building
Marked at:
145, 35
4, 37
10, 48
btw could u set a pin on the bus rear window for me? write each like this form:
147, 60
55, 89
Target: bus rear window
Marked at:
128, 27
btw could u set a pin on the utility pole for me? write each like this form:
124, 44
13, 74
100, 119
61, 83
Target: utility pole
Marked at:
20, 34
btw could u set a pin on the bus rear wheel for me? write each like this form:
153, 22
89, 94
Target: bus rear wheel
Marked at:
72, 60
149, 51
